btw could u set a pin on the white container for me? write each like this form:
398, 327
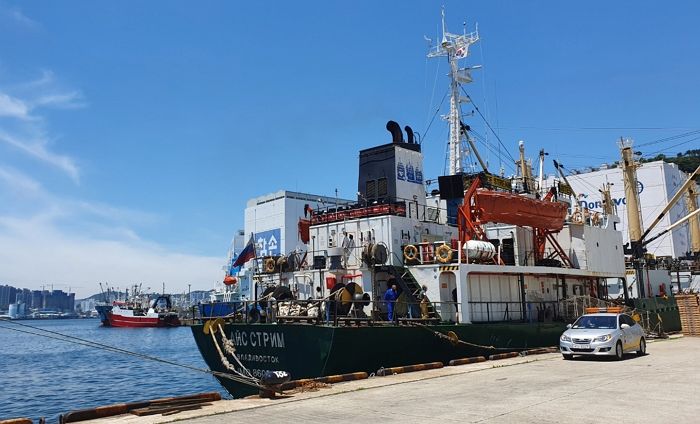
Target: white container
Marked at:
479, 250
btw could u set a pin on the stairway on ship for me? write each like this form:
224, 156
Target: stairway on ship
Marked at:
408, 285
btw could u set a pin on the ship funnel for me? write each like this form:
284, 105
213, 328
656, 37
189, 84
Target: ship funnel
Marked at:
395, 129
409, 134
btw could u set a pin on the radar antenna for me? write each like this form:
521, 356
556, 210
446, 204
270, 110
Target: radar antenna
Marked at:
456, 47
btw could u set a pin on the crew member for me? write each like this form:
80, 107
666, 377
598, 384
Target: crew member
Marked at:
424, 303
454, 298
390, 298
271, 309
348, 245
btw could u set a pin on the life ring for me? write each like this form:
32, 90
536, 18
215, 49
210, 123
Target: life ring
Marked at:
269, 265
410, 252
577, 217
444, 254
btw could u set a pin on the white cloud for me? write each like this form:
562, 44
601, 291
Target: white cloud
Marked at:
113, 213
47, 239
38, 150
33, 253
16, 16
46, 79
71, 100
29, 192
17, 181
12, 107
22, 127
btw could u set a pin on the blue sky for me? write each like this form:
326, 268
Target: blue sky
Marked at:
132, 133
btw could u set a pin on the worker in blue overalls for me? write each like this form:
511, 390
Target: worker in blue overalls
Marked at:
390, 298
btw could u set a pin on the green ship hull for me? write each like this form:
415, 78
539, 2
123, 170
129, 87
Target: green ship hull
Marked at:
309, 351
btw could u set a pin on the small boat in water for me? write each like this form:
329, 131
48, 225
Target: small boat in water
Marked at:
131, 314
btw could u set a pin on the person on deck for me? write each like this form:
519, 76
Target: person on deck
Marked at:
454, 299
390, 298
348, 245
424, 302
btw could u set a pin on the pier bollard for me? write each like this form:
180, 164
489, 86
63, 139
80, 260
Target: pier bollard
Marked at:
16, 421
464, 361
503, 356
542, 350
125, 408
327, 379
409, 368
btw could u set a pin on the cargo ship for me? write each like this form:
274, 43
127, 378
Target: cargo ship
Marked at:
401, 276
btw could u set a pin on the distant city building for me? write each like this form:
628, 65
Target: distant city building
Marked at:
198, 296
36, 299
7, 296
86, 305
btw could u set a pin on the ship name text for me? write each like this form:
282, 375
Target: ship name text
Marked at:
258, 339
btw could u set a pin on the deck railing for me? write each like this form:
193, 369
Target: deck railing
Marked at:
332, 311
495, 311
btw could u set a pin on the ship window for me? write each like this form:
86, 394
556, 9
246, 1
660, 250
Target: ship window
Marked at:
371, 189
381, 187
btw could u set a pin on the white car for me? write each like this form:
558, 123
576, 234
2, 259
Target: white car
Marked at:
603, 334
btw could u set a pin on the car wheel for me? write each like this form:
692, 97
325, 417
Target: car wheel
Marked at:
618, 351
568, 357
642, 347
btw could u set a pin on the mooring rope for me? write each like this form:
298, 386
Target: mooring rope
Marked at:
230, 348
225, 361
84, 342
456, 340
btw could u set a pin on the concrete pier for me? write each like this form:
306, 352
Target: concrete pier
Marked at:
659, 387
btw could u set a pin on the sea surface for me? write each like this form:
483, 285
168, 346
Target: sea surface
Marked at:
41, 377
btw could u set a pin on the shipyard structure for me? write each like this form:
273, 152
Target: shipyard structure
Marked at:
657, 182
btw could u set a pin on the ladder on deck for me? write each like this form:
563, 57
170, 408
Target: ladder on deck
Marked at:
412, 288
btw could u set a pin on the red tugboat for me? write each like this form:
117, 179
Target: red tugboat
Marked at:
132, 314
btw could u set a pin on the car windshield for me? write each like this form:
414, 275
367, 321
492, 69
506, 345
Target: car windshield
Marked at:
591, 321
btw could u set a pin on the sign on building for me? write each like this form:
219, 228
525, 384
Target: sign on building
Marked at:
268, 243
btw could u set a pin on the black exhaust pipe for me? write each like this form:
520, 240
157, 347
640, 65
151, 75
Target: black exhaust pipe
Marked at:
395, 129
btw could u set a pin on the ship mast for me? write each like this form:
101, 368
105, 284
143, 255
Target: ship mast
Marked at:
694, 223
456, 47
629, 173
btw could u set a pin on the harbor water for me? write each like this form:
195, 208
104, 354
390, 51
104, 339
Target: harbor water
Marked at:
41, 377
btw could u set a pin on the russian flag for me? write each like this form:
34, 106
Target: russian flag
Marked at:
246, 254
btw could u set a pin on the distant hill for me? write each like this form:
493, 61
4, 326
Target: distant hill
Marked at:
120, 295
687, 162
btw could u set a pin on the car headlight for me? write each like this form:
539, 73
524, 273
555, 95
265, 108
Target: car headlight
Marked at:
565, 338
604, 338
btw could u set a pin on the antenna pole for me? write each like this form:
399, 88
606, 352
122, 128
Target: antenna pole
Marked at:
455, 47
